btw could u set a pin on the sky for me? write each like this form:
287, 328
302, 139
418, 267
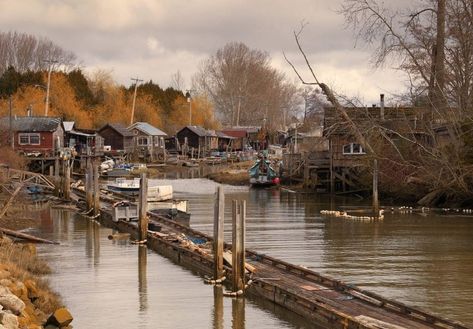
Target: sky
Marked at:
153, 39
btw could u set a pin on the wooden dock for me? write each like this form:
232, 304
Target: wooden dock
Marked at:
329, 303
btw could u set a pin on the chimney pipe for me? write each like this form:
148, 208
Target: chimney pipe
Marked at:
381, 106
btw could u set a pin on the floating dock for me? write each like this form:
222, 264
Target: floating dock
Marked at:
329, 303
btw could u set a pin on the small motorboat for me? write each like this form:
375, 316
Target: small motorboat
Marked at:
124, 185
262, 174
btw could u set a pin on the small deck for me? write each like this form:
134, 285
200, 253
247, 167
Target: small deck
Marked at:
327, 302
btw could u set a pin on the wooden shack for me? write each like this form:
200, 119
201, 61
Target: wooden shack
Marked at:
198, 139
148, 141
34, 135
84, 141
117, 138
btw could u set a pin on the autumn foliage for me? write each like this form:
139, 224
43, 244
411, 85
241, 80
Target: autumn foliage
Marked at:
96, 100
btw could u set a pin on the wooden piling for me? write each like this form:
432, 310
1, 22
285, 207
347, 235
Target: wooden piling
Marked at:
56, 167
143, 208
51, 171
218, 319
306, 171
375, 188
219, 211
238, 244
332, 176
67, 180
89, 174
96, 188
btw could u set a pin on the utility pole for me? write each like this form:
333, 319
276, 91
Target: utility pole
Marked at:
189, 100
134, 99
46, 106
238, 111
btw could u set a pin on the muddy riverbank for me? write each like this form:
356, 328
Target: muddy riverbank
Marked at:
26, 299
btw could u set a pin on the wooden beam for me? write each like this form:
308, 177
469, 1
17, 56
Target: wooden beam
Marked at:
143, 208
26, 236
10, 200
219, 213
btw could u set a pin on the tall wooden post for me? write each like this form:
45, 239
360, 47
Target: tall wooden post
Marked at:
219, 211
306, 170
332, 178
89, 198
143, 208
51, 171
56, 167
67, 180
375, 188
96, 188
238, 244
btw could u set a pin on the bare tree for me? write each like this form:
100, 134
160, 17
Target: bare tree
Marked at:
177, 81
433, 47
244, 87
26, 52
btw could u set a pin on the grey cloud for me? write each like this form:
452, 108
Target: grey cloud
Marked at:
116, 34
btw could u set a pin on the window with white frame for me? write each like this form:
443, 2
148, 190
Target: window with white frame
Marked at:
142, 141
353, 148
29, 139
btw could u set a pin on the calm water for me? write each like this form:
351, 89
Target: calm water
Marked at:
422, 261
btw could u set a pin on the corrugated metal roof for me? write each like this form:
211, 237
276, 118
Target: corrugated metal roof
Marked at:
148, 129
119, 128
31, 123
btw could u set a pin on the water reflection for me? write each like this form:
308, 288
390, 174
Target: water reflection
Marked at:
238, 313
92, 241
218, 307
425, 261
160, 295
142, 281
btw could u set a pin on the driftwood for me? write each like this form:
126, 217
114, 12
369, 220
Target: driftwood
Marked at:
26, 236
9, 202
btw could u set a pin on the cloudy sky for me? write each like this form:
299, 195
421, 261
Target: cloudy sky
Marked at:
153, 39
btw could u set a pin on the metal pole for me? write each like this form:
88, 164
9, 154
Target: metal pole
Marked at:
219, 213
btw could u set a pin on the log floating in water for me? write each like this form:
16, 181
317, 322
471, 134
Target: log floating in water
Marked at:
26, 236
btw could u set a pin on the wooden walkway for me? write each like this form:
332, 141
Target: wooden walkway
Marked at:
23, 177
327, 302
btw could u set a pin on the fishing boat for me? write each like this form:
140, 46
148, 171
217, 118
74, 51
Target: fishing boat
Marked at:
262, 174
123, 185
131, 187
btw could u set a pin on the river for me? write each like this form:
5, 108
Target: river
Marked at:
424, 261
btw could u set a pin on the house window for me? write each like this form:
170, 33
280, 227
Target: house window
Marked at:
28, 139
353, 148
142, 141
